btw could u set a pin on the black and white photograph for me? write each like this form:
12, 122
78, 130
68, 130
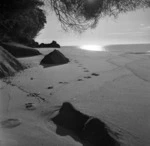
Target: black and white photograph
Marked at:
74, 72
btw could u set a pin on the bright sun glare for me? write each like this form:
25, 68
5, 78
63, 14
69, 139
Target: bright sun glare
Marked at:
92, 47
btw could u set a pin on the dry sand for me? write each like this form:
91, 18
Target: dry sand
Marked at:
113, 85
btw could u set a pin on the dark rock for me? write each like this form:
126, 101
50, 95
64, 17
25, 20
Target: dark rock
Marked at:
87, 128
54, 58
19, 50
70, 118
53, 44
9, 65
96, 133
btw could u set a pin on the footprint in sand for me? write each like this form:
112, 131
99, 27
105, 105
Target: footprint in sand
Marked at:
87, 77
50, 87
80, 80
95, 74
10, 123
63, 82
30, 106
86, 70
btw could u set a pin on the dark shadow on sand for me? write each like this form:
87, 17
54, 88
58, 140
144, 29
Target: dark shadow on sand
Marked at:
48, 65
51, 65
87, 130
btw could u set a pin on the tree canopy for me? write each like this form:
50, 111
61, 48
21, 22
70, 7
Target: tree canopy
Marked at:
83, 14
23, 19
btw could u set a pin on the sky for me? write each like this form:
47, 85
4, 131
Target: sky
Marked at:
131, 27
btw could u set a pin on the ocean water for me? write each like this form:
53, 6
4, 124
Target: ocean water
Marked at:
131, 48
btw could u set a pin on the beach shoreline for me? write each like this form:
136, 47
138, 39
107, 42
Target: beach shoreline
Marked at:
112, 85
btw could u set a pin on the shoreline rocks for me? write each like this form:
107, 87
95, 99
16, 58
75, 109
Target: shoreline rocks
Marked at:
9, 65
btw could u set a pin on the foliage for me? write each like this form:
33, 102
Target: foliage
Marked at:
21, 20
83, 14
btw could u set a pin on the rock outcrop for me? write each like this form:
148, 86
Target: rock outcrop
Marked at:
87, 128
54, 58
19, 50
9, 65
53, 44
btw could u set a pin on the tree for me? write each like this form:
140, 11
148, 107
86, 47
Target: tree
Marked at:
83, 14
28, 25
21, 20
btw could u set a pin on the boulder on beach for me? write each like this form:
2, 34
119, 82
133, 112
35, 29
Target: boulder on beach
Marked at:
70, 118
54, 58
53, 44
86, 128
19, 50
9, 65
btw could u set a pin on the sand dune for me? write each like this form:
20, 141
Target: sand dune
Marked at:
113, 86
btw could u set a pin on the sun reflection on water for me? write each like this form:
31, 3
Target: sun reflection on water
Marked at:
92, 48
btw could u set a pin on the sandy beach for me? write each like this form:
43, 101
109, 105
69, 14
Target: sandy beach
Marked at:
112, 85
